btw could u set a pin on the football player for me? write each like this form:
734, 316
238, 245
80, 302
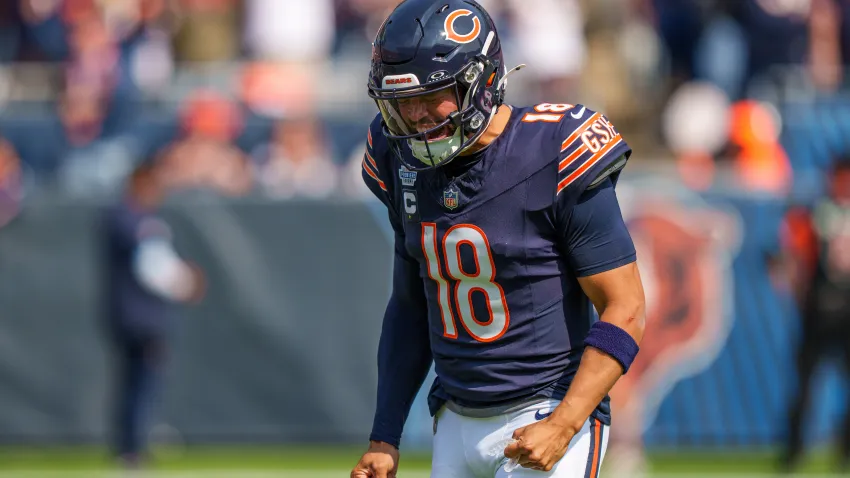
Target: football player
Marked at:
514, 272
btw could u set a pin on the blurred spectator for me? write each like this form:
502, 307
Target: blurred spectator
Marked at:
792, 267
91, 76
144, 277
289, 31
702, 129
777, 32
92, 153
82, 110
760, 161
11, 182
208, 30
825, 307
94, 50
679, 24
45, 27
151, 63
278, 89
825, 44
733, 43
351, 182
553, 45
296, 162
722, 54
11, 33
357, 22
124, 19
695, 125
204, 155
138, 31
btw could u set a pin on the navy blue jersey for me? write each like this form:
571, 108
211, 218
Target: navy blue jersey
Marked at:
130, 307
490, 258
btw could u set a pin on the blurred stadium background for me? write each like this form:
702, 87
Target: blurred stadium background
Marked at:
735, 109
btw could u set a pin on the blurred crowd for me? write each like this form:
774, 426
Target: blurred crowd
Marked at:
243, 96
268, 97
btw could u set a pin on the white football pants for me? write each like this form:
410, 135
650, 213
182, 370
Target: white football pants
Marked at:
467, 447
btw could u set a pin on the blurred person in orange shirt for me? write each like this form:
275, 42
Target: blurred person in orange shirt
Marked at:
204, 156
819, 241
760, 161
707, 132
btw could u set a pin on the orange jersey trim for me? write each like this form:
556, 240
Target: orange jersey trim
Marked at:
373, 174
588, 163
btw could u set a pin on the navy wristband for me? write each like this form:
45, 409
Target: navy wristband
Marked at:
614, 341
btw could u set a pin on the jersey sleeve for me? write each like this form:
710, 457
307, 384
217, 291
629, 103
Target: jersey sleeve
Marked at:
590, 151
593, 233
404, 349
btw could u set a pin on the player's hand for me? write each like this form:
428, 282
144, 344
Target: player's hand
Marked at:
379, 461
540, 445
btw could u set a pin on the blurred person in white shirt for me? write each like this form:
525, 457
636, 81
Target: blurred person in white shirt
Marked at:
289, 31
549, 36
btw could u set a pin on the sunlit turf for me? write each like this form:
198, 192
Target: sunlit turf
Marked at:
335, 460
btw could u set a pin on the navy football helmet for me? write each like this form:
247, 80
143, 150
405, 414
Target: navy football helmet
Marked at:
438, 77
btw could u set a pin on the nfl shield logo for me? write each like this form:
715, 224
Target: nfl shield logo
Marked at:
451, 197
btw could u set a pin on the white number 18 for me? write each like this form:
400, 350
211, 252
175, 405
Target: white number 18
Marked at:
481, 280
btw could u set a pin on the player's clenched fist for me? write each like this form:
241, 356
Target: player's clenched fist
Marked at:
540, 445
379, 461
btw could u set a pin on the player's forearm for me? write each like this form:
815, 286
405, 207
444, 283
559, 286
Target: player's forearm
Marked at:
404, 358
599, 371
596, 375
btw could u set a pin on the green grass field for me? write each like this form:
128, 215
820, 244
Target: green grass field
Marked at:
320, 462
